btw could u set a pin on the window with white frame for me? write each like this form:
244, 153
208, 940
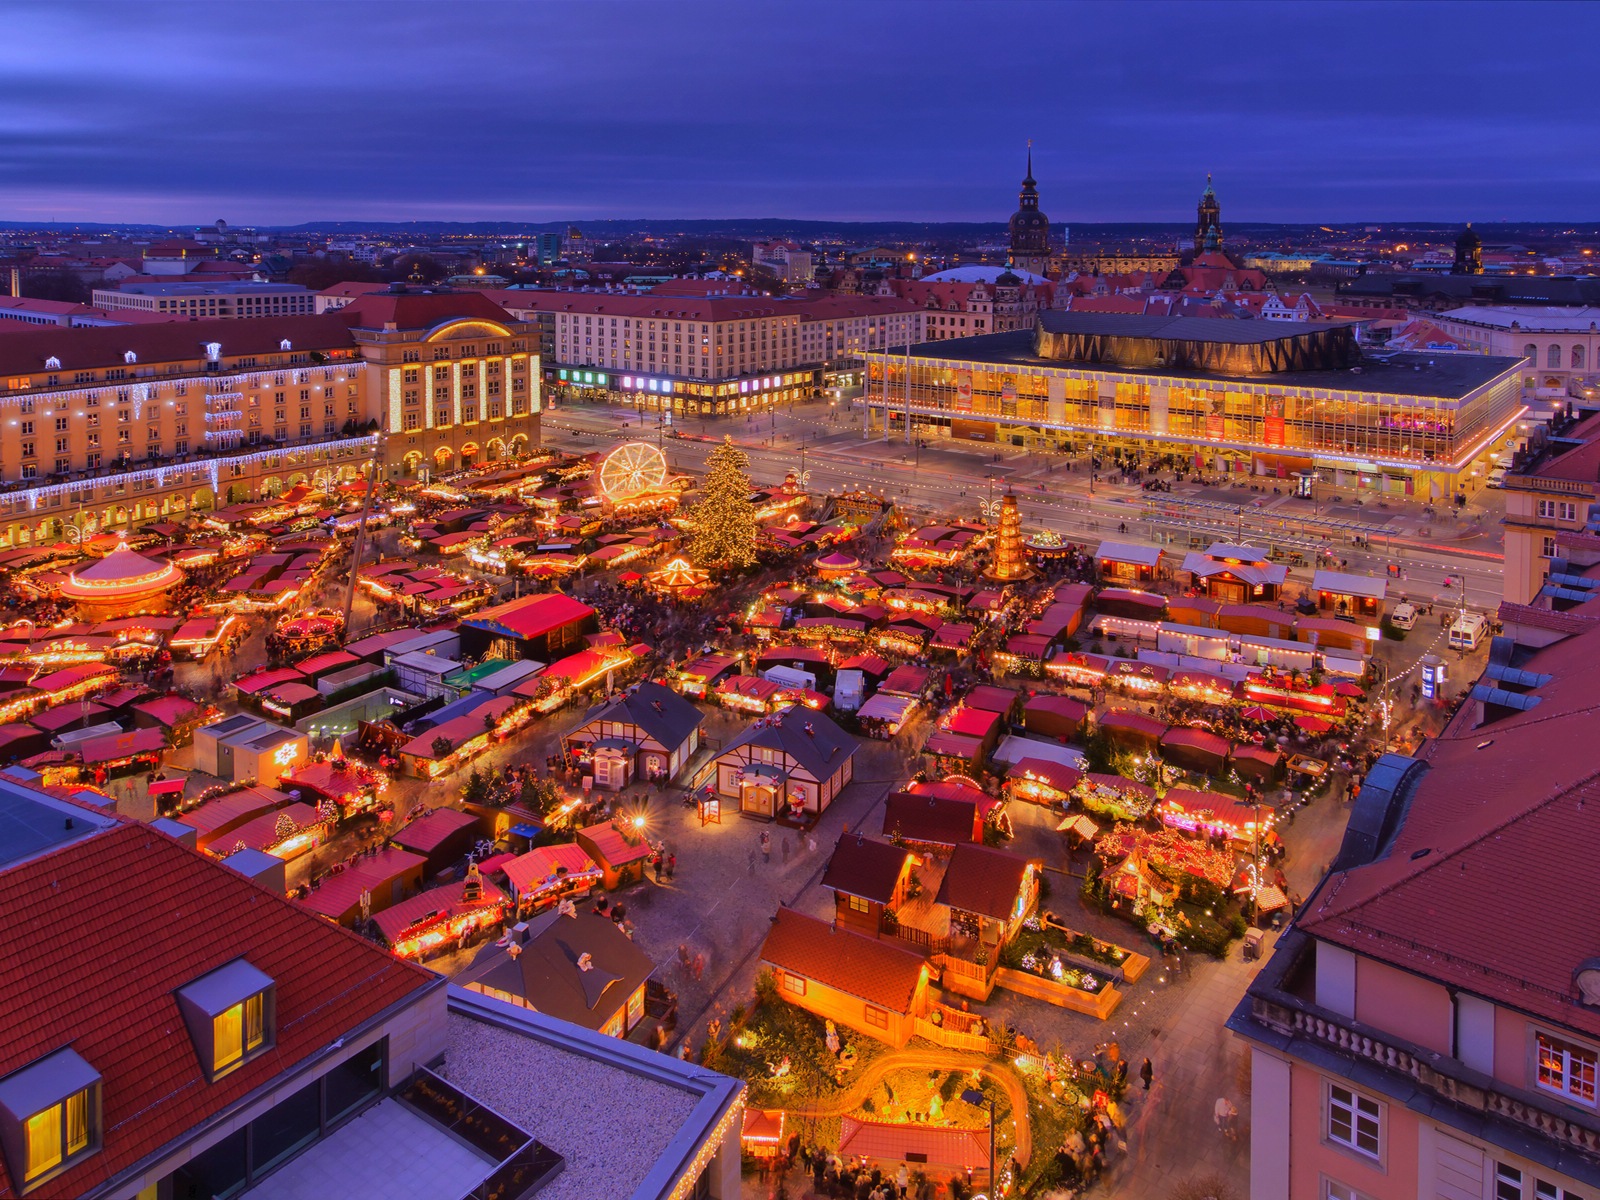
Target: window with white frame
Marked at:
1511, 1183
1565, 1068
1551, 1191
1334, 1190
1558, 510
1354, 1121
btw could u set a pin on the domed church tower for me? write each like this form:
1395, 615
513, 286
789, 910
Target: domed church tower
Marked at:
1208, 230
1030, 228
1469, 253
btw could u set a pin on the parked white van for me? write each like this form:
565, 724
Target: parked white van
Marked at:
1467, 630
1404, 615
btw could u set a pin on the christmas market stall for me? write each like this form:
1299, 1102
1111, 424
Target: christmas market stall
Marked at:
1215, 815
442, 836
620, 849
1195, 750
365, 886
1041, 781
1116, 797
1053, 716
1132, 730
546, 875
1262, 765
352, 787
442, 919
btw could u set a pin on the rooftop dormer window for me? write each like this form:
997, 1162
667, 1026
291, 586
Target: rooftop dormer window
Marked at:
231, 1015
52, 363
49, 1117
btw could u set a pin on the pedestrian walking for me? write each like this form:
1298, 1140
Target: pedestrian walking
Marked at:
766, 846
672, 865
1223, 1112
1146, 1073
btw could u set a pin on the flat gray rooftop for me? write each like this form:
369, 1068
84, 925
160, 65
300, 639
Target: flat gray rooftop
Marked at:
31, 823
1429, 376
387, 1153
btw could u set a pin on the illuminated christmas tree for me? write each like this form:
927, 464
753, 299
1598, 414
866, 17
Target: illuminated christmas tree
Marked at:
724, 519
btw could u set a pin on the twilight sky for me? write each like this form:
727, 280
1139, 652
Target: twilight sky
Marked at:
266, 111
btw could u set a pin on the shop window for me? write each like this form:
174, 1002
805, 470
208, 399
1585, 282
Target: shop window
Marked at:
230, 1015
49, 1117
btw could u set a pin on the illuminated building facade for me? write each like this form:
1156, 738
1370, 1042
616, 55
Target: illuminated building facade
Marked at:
709, 355
112, 427
1248, 397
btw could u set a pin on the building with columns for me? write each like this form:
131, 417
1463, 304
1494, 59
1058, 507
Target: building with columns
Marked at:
1558, 345
1250, 397
110, 428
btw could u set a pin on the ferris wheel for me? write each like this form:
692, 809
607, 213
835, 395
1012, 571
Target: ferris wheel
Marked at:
631, 470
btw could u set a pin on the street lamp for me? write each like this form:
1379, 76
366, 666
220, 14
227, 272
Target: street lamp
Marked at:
977, 1099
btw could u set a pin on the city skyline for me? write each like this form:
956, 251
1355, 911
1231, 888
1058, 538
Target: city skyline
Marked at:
177, 114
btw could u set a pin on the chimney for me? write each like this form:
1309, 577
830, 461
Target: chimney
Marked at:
519, 933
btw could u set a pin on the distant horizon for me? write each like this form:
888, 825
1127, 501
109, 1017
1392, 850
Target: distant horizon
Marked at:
997, 226
173, 113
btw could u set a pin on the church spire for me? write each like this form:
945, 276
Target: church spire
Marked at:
1028, 180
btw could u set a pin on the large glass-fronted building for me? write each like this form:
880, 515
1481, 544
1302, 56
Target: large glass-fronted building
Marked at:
1235, 396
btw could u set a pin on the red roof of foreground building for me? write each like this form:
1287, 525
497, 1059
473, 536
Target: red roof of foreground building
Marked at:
1481, 885
880, 973
70, 977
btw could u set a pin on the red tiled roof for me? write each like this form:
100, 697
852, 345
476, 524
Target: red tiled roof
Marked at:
865, 867
937, 820
880, 973
1480, 887
983, 880
68, 976
89, 347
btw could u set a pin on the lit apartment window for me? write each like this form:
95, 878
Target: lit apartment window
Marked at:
1354, 1121
230, 1015
1566, 1069
49, 1117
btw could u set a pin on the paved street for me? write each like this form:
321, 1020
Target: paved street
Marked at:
952, 478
